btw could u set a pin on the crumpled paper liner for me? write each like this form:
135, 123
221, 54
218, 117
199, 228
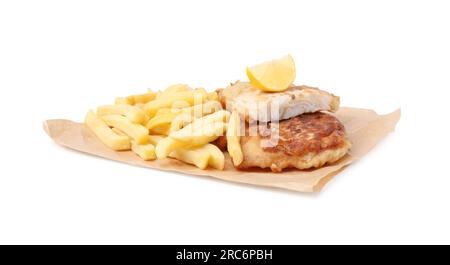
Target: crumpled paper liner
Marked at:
365, 128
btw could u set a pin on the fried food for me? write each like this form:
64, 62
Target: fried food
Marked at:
133, 113
265, 123
304, 141
167, 145
201, 156
233, 139
179, 99
168, 120
105, 134
254, 104
142, 98
200, 135
137, 132
154, 139
173, 89
273, 76
144, 151
162, 119
203, 130
136, 99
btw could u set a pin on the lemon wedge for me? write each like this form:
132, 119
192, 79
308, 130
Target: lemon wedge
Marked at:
273, 76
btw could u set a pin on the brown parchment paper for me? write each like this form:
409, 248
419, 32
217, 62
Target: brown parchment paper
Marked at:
365, 128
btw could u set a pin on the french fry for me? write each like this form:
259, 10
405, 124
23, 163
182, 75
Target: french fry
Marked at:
144, 151
133, 113
135, 99
173, 89
213, 96
175, 100
196, 134
142, 98
201, 156
196, 156
140, 105
154, 139
168, 116
177, 88
167, 110
233, 139
219, 116
203, 130
120, 132
202, 90
162, 118
136, 131
123, 101
200, 110
163, 129
180, 121
216, 157
105, 134
167, 146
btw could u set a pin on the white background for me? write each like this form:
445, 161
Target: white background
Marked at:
60, 58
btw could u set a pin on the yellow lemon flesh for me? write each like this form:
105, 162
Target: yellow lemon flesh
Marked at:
273, 76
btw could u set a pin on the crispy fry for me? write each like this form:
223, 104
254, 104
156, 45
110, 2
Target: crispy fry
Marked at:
140, 105
173, 89
200, 110
202, 90
175, 100
233, 139
203, 130
213, 96
136, 131
216, 157
123, 101
163, 111
187, 115
167, 146
196, 134
196, 156
154, 139
219, 116
142, 98
145, 151
163, 129
120, 132
105, 134
180, 121
133, 113
201, 156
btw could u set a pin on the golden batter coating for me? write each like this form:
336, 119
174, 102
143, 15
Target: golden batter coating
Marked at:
305, 141
311, 132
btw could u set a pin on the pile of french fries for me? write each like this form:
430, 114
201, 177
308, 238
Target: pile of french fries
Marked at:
178, 122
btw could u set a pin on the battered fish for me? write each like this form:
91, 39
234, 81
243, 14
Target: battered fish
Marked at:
305, 141
254, 104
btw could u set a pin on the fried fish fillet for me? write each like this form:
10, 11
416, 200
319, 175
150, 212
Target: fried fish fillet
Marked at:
254, 104
305, 141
